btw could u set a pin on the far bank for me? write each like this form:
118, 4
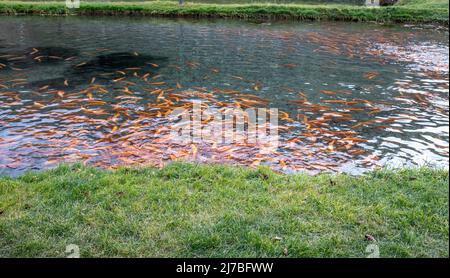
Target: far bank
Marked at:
260, 11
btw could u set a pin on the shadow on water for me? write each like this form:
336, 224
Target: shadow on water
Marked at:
110, 65
102, 67
37, 55
119, 61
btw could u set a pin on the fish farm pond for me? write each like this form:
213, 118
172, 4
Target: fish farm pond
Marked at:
350, 96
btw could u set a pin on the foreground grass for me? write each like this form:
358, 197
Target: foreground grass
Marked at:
398, 13
218, 211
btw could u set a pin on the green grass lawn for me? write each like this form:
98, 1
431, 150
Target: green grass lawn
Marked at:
425, 4
404, 12
189, 210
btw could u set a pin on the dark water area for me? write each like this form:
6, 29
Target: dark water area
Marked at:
351, 96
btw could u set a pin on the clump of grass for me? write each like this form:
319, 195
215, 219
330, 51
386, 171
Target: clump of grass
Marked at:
189, 210
405, 13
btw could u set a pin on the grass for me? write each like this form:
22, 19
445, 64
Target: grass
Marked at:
408, 12
189, 210
354, 2
425, 4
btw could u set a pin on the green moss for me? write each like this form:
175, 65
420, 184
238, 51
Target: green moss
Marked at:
187, 210
399, 13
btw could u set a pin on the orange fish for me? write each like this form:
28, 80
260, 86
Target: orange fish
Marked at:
326, 92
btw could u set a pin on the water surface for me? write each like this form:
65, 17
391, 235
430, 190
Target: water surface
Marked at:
99, 90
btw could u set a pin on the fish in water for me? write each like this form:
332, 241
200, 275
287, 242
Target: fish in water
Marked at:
103, 68
36, 56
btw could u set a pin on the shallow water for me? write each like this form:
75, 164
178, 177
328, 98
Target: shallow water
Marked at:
99, 90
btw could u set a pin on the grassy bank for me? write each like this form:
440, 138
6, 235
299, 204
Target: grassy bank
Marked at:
398, 13
219, 211
424, 4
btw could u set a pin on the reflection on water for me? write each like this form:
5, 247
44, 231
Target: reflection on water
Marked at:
351, 96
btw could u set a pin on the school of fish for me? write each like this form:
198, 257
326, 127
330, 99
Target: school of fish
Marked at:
123, 117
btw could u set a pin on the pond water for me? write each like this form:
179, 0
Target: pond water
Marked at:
351, 96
